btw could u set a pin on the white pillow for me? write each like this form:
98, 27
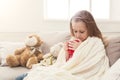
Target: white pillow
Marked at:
7, 48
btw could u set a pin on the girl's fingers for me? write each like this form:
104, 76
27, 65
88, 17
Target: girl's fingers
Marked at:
66, 46
71, 48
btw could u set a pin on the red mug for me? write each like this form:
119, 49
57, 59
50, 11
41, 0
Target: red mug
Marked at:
70, 52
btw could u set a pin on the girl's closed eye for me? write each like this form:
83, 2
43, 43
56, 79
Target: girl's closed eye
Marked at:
75, 31
79, 31
82, 31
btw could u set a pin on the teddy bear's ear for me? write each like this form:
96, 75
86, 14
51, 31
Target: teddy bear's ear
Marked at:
41, 42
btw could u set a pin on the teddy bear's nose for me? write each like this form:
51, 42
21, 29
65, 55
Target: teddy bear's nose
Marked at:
30, 36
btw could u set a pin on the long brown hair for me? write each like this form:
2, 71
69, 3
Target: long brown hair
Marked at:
88, 19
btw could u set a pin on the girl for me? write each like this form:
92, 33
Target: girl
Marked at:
89, 60
82, 25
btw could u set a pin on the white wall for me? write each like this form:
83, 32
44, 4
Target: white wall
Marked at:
19, 18
115, 10
27, 16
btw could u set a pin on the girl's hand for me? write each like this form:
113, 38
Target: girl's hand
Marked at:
74, 44
66, 49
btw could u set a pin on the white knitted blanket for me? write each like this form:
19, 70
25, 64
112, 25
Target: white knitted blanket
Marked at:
89, 62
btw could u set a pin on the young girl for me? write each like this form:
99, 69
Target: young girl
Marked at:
89, 60
82, 25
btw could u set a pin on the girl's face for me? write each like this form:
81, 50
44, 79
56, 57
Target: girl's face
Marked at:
79, 30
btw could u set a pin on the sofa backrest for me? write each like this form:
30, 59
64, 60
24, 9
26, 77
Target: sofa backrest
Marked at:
52, 38
49, 39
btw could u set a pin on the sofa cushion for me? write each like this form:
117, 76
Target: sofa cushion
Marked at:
7, 73
113, 73
113, 50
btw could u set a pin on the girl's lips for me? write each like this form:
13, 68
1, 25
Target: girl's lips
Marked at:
77, 40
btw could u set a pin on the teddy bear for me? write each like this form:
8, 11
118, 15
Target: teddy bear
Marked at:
28, 55
51, 57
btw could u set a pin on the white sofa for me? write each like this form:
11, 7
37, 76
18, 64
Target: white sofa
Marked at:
51, 38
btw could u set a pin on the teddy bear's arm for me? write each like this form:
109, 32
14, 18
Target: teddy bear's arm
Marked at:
19, 51
40, 57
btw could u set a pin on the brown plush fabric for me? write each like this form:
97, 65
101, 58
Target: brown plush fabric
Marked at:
113, 50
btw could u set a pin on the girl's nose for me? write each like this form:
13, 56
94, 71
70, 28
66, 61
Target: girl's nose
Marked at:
78, 35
